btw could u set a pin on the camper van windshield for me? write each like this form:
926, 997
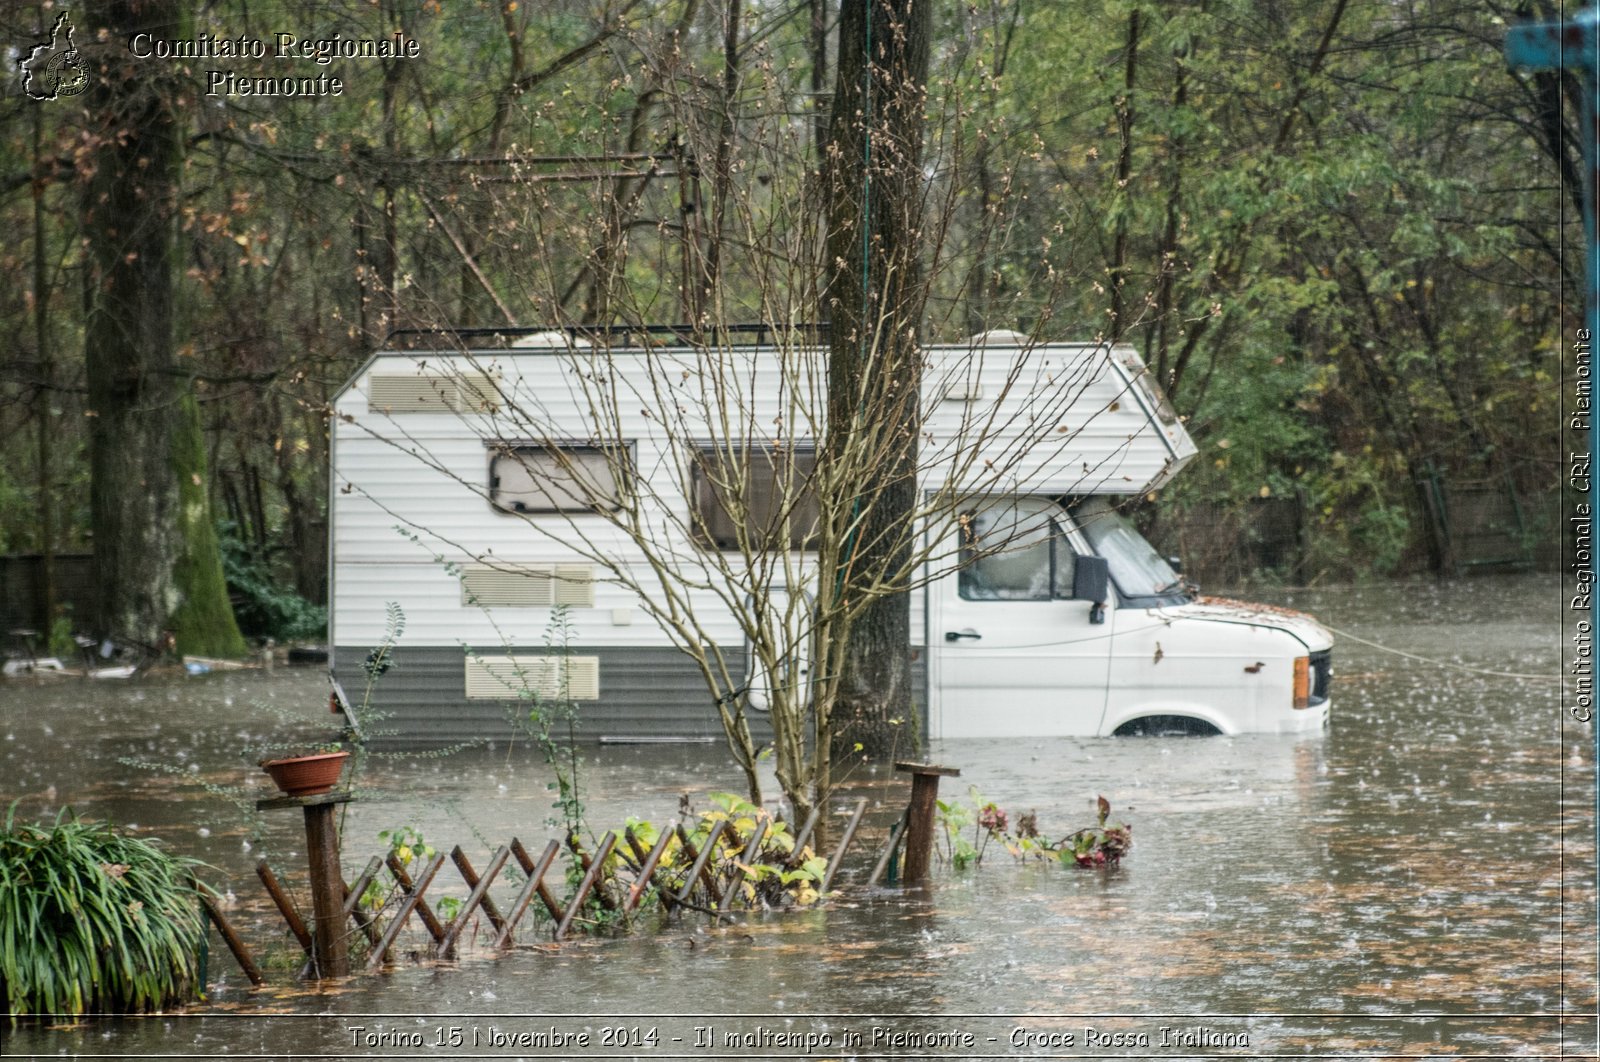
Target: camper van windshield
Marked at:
1138, 570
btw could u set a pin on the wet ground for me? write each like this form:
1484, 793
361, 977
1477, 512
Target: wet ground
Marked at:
1418, 881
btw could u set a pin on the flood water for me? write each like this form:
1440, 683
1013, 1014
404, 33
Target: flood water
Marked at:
1420, 880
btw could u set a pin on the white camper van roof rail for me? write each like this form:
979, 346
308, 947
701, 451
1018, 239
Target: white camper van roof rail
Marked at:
447, 337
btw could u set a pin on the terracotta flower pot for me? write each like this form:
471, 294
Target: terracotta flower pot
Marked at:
306, 775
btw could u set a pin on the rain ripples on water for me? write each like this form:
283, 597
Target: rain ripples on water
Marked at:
1407, 883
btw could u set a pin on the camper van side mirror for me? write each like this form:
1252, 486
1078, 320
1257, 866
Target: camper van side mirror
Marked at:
1090, 581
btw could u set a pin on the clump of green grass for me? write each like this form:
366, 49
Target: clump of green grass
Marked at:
93, 920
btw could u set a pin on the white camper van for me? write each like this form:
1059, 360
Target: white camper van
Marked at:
463, 481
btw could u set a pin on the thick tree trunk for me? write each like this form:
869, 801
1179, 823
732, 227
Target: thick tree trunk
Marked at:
819, 73
1125, 113
157, 570
202, 623
874, 298
44, 395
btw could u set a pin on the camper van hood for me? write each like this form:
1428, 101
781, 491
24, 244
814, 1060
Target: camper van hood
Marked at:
1301, 625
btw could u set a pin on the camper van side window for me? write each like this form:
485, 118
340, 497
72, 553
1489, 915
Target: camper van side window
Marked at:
776, 495
553, 479
1064, 571
1011, 554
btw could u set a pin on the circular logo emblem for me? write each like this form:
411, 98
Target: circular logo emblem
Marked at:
66, 74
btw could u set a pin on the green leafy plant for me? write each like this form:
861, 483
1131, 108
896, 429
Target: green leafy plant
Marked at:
91, 919
778, 875
61, 645
407, 844
263, 605
1100, 845
988, 822
241, 799
550, 720
550, 714
954, 818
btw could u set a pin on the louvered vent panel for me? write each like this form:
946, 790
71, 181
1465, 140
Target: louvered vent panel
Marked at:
502, 678
527, 586
490, 586
409, 393
476, 392
574, 585
583, 678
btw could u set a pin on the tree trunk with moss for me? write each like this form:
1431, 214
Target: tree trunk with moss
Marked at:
158, 572
203, 622
875, 299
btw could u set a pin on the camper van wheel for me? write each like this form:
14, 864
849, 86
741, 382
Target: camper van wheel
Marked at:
1166, 726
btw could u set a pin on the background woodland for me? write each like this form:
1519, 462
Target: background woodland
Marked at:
1344, 236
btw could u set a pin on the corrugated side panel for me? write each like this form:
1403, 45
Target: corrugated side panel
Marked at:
647, 693
431, 599
1070, 407
412, 491
919, 690
1061, 419
434, 486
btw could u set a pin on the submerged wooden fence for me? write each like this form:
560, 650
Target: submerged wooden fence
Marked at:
716, 875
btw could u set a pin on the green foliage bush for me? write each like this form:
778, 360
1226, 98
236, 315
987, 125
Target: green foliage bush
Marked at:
264, 607
93, 920
1100, 845
16, 513
61, 644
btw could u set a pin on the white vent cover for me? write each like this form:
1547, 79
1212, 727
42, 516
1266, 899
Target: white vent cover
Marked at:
477, 392
409, 393
503, 678
527, 585
418, 392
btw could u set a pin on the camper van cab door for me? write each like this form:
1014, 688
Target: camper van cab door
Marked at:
1014, 655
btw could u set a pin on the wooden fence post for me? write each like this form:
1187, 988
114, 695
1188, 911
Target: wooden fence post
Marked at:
920, 817
331, 950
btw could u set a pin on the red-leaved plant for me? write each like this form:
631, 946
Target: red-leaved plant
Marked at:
1100, 845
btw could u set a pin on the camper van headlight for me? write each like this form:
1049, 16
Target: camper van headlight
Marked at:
1302, 682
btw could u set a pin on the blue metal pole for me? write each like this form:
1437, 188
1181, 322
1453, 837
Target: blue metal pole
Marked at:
1575, 45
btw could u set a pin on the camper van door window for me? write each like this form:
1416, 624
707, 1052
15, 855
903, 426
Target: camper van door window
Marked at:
1064, 569
1013, 552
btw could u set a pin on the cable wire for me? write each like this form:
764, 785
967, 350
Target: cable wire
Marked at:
1443, 663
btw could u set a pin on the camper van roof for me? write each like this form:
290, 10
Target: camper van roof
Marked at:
449, 338
554, 337
621, 339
